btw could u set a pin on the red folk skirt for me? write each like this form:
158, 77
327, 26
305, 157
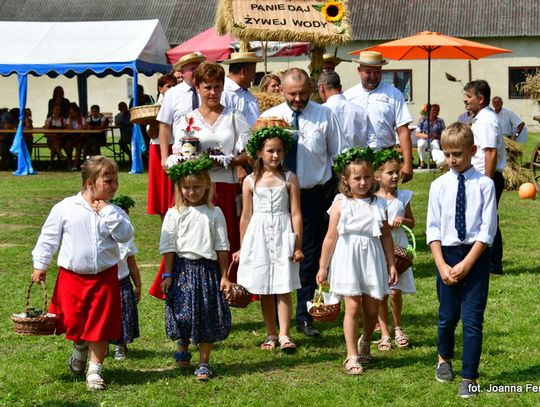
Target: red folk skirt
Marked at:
160, 188
87, 306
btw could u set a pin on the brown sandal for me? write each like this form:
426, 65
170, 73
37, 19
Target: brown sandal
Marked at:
286, 345
270, 343
364, 351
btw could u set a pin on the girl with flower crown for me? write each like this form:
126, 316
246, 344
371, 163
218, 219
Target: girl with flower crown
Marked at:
399, 214
354, 251
195, 248
271, 233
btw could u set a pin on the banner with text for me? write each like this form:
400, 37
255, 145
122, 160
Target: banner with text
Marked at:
320, 22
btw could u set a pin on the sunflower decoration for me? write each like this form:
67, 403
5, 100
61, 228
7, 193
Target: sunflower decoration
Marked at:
333, 11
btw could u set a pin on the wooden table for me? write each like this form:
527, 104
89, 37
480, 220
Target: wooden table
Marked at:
41, 132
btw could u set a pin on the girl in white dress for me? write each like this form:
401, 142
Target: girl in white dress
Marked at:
355, 247
399, 213
271, 233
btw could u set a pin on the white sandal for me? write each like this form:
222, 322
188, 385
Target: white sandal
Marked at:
354, 368
94, 381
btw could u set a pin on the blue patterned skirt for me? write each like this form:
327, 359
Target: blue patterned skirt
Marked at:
130, 315
195, 308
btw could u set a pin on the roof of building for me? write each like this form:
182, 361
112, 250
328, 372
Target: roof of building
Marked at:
370, 19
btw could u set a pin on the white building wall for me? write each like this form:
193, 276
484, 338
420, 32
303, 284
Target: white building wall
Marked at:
107, 92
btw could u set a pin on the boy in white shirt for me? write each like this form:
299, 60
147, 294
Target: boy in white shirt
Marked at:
461, 225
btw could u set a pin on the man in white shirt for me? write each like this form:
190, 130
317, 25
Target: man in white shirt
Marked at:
317, 141
177, 102
385, 108
490, 157
236, 94
510, 124
352, 120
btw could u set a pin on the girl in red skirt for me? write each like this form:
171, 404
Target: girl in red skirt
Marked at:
86, 297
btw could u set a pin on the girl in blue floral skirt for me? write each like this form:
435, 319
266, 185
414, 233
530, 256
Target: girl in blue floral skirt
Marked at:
195, 248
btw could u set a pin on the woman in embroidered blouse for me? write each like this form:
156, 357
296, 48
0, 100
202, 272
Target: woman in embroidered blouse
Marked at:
220, 130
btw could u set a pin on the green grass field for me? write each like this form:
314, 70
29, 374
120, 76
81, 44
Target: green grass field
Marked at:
33, 370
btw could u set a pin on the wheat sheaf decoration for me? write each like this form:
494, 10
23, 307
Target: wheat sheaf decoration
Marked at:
315, 21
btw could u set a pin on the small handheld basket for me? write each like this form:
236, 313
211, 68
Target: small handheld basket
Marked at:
238, 296
145, 114
28, 324
405, 255
321, 311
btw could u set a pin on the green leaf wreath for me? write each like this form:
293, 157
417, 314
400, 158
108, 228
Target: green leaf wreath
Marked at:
353, 154
385, 155
256, 141
188, 167
123, 201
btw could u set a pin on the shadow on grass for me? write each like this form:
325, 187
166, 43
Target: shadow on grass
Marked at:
526, 375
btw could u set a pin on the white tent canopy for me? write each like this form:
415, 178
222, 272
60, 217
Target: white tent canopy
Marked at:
68, 48
80, 49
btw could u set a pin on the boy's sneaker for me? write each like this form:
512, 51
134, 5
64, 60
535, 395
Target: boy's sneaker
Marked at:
444, 372
467, 389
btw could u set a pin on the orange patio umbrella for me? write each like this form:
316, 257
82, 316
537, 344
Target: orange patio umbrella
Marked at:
433, 45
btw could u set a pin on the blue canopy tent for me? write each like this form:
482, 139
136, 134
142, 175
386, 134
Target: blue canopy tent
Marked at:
80, 49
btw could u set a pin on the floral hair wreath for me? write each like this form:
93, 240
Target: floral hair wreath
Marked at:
353, 154
188, 167
382, 156
257, 139
123, 201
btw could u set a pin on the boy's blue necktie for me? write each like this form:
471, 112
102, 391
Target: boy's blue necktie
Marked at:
460, 208
290, 158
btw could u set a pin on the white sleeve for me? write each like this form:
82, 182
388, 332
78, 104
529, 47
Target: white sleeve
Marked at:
243, 131
433, 222
169, 233
49, 239
117, 223
334, 136
403, 116
221, 241
165, 114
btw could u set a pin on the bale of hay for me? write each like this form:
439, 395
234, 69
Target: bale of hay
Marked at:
267, 100
514, 174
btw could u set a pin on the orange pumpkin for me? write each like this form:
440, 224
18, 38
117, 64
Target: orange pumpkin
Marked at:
269, 122
527, 191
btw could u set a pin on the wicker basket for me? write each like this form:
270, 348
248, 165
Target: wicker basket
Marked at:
238, 296
321, 312
145, 115
405, 255
42, 325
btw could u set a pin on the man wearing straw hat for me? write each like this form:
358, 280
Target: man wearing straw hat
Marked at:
177, 102
316, 141
330, 62
236, 94
385, 107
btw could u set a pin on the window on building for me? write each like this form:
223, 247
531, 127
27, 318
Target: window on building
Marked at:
401, 79
516, 75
